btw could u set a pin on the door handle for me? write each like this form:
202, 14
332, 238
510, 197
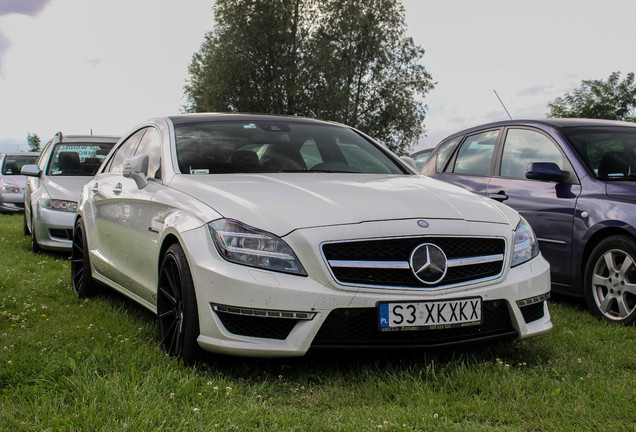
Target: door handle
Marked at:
499, 196
117, 189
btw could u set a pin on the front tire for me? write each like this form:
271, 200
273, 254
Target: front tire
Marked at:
25, 226
81, 279
35, 247
610, 280
177, 312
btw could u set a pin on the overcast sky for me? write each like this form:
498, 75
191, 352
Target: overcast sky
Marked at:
107, 65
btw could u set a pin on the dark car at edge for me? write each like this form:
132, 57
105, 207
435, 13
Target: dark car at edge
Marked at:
574, 180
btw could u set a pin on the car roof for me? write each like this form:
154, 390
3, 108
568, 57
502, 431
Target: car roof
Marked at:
90, 138
548, 122
20, 153
202, 117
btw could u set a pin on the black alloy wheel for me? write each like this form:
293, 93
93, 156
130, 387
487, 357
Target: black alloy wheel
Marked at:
177, 313
81, 279
610, 280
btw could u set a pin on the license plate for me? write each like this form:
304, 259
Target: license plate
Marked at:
430, 315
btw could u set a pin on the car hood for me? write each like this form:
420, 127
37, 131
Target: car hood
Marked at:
65, 188
281, 203
18, 180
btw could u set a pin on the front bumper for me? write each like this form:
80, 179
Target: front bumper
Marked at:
53, 229
11, 202
249, 312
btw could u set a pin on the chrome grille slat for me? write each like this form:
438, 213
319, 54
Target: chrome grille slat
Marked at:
384, 263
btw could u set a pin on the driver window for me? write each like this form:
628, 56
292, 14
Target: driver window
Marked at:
523, 147
151, 145
124, 151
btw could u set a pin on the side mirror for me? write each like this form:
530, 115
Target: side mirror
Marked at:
30, 170
546, 171
136, 168
408, 160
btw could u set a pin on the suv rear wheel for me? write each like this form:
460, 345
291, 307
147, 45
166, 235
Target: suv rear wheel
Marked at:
610, 280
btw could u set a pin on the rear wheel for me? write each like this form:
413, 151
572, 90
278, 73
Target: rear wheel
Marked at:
177, 313
81, 279
610, 280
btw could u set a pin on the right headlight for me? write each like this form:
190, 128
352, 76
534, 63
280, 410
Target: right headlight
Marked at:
242, 244
526, 246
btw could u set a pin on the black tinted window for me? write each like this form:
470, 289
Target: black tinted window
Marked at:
13, 163
608, 152
276, 146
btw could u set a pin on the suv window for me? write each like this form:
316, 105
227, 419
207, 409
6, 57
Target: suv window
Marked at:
151, 145
523, 146
475, 154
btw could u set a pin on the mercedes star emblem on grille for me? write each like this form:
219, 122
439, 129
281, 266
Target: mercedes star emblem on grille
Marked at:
428, 263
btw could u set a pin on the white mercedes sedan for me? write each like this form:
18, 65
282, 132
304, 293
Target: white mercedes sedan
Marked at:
269, 236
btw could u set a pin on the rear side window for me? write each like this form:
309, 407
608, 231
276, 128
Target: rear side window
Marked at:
475, 154
444, 153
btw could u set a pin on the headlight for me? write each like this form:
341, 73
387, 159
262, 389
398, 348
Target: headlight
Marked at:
10, 187
60, 205
526, 246
249, 246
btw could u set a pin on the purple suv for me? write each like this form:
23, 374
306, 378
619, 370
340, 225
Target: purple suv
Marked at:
574, 180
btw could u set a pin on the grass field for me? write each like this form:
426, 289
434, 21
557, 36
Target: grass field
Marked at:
89, 365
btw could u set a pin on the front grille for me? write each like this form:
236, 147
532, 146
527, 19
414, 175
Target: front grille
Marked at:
358, 327
533, 312
254, 326
398, 251
66, 234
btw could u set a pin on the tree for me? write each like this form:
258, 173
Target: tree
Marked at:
343, 60
612, 99
34, 142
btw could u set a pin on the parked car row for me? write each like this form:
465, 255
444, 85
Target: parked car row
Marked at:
269, 236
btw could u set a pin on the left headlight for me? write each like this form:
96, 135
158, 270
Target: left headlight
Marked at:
59, 205
10, 187
242, 244
526, 246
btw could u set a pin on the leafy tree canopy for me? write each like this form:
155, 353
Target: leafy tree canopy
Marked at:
34, 142
343, 60
612, 100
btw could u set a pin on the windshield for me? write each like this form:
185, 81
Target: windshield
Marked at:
609, 152
13, 163
77, 159
276, 146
